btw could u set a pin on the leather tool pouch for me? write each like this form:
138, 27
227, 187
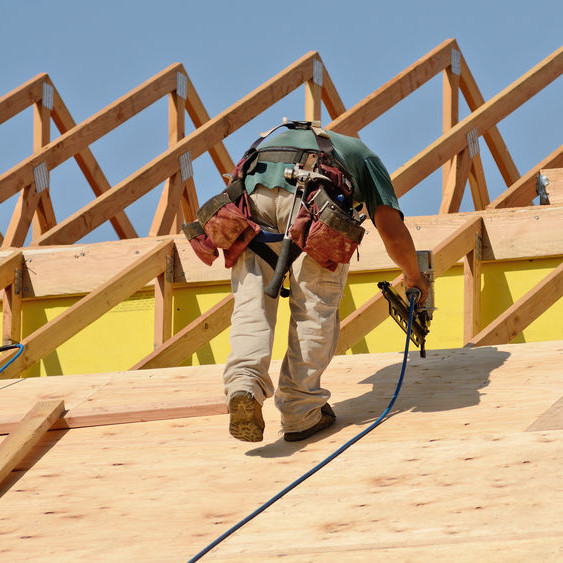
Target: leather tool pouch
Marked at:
325, 231
223, 222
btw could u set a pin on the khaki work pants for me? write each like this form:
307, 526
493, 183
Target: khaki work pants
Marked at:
313, 330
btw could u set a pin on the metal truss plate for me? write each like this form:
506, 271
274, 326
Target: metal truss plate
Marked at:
473, 142
41, 177
48, 96
456, 62
318, 72
186, 168
181, 85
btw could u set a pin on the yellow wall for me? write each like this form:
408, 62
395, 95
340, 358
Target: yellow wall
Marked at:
123, 336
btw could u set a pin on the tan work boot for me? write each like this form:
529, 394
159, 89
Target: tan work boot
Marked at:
247, 423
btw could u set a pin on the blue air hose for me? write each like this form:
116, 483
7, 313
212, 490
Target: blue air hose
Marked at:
9, 347
413, 299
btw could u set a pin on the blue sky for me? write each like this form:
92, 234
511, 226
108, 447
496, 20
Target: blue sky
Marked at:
96, 52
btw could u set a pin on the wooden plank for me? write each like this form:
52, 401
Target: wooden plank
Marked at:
22, 97
90, 168
11, 310
22, 216
450, 114
129, 415
28, 432
454, 186
492, 136
208, 135
523, 312
313, 99
8, 265
551, 419
163, 303
188, 340
85, 311
523, 191
81, 136
366, 317
478, 184
472, 291
489, 114
395, 90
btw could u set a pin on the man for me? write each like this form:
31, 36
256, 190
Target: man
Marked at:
315, 294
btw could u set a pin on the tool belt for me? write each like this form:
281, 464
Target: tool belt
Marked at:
224, 222
325, 226
326, 232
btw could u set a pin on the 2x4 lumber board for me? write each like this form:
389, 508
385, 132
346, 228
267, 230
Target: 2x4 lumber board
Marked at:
11, 311
478, 184
455, 183
21, 217
492, 136
22, 97
366, 317
85, 311
28, 432
472, 291
450, 111
163, 166
163, 303
89, 165
81, 136
8, 267
398, 88
313, 99
192, 337
519, 315
484, 117
523, 191
129, 415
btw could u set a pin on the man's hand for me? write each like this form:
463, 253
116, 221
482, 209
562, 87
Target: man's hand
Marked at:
421, 283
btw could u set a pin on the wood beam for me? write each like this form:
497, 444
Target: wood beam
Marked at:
489, 114
81, 136
11, 293
523, 191
523, 312
330, 96
163, 302
22, 97
192, 337
27, 434
478, 184
21, 217
313, 99
450, 115
455, 183
392, 92
208, 135
91, 307
472, 290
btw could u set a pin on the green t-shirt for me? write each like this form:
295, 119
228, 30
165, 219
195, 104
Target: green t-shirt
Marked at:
372, 184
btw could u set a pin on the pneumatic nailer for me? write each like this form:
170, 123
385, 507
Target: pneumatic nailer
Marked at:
399, 308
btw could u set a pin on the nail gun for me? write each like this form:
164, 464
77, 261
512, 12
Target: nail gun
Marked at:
399, 308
